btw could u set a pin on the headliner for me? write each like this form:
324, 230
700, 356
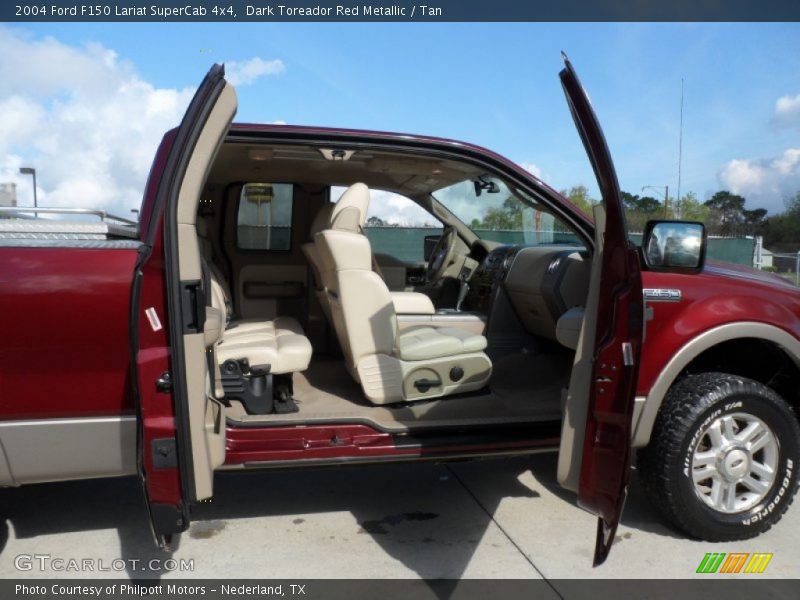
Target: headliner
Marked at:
411, 175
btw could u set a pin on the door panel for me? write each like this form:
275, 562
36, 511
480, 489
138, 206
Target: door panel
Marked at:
179, 442
595, 454
269, 291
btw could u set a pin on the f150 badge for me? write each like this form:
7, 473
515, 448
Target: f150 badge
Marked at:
661, 295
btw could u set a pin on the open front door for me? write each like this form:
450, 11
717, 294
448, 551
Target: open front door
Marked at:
181, 427
595, 454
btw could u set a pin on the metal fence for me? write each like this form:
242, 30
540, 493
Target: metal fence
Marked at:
787, 265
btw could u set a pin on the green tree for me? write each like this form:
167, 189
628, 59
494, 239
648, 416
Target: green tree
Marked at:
629, 201
579, 196
650, 206
782, 231
726, 213
506, 217
691, 209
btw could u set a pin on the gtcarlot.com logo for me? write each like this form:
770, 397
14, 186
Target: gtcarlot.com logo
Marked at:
47, 562
734, 562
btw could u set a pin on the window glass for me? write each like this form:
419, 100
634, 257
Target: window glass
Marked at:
396, 226
265, 216
493, 212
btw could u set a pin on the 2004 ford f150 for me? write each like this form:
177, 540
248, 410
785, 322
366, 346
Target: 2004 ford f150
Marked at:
246, 322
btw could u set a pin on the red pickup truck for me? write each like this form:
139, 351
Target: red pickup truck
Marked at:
245, 322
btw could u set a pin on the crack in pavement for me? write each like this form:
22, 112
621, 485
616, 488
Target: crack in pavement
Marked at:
502, 529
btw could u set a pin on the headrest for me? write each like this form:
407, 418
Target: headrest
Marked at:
322, 220
350, 212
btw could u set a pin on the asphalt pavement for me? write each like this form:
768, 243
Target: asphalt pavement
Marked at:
494, 519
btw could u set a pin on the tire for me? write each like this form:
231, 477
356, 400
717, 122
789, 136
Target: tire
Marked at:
706, 430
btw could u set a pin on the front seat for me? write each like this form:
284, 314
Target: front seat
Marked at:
321, 222
418, 363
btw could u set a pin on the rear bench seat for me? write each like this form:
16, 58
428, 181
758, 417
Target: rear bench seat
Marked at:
281, 343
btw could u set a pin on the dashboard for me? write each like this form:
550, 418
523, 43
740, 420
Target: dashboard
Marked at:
541, 282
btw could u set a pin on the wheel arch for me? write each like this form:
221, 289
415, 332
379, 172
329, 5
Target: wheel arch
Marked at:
711, 343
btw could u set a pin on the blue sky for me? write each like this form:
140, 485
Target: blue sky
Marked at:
491, 84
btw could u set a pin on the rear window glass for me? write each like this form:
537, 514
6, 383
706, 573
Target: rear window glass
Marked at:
265, 216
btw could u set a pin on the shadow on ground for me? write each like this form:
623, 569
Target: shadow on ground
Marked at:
423, 515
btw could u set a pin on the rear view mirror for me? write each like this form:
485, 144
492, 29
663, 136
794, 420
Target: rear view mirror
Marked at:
675, 246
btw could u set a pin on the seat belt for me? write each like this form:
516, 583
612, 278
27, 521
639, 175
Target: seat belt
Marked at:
211, 359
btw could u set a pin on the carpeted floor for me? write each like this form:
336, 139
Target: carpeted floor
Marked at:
522, 388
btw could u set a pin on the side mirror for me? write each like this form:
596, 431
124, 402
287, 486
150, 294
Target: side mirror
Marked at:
674, 246
430, 244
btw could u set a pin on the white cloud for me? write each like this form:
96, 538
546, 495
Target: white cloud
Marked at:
247, 72
85, 119
398, 210
787, 110
764, 182
535, 170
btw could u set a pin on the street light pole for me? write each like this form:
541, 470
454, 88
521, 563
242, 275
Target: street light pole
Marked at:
31, 171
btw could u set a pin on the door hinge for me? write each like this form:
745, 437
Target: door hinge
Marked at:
165, 455
164, 383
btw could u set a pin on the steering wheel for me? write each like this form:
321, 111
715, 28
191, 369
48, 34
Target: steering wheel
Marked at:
442, 255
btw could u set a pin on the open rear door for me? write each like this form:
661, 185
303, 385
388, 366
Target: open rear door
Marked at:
595, 454
180, 424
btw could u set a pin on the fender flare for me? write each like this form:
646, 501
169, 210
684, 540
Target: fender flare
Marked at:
643, 426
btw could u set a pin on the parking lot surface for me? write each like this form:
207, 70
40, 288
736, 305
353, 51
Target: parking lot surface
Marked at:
500, 518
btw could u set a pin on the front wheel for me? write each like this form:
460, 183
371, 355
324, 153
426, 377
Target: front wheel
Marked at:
722, 461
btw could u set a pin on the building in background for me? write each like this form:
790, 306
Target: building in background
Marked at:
8, 194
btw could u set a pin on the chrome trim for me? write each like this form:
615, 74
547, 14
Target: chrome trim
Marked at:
67, 211
661, 295
627, 354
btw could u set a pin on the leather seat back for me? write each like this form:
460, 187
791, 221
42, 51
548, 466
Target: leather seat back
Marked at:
322, 221
362, 311
419, 364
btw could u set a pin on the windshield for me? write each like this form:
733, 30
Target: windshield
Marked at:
493, 212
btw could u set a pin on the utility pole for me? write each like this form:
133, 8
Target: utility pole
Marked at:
680, 154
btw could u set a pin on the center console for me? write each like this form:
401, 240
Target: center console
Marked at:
491, 272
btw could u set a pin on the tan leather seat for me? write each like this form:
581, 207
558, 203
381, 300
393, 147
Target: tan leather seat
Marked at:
282, 346
417, 364
280, 343
406, 303
420, 343
321, 221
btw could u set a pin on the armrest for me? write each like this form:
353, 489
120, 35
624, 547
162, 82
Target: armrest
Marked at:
412, 303
568, 327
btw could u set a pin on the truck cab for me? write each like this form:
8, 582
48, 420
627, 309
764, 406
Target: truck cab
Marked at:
260, 316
